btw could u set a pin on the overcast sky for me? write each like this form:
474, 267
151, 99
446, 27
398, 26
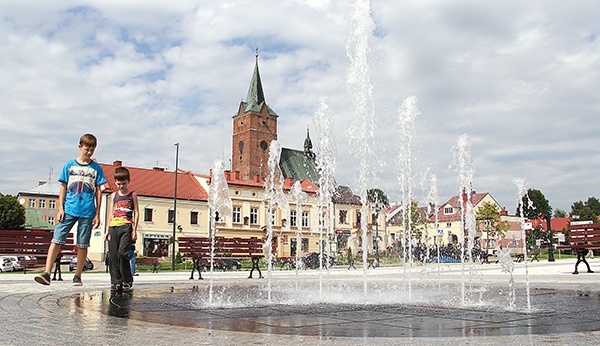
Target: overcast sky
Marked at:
519, 78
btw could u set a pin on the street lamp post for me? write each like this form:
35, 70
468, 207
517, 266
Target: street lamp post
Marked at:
550, 236
377, 236
175, 206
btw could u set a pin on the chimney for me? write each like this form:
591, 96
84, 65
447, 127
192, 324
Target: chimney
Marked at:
40, 183
160, 169
117, 163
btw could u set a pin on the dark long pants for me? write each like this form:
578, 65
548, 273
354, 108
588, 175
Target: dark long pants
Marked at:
119, 245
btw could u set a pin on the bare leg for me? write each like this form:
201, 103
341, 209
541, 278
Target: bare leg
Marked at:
53, 251
81, 257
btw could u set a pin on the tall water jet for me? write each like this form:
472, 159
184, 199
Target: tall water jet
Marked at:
361, 90
521, 184
408, 113
275, 199
432, 200
219, 203
508, 266
326, 163
298, 197
465, 169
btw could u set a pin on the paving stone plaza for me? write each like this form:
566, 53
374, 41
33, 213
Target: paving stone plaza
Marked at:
167, 308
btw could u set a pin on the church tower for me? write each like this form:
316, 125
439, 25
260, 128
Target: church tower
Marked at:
254, 127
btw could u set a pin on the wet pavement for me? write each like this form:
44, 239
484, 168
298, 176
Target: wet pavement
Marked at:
167, 308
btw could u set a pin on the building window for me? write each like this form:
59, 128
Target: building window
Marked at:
293, 222
31, 203
171, 216
52, 204
148, 214
304, 219
304, 247
194, 218
42, 203
448, 210
344, 216
254, 216
273, 216
51, 220
237, 214
448, 224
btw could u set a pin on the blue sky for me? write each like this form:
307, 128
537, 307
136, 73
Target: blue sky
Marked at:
519, 78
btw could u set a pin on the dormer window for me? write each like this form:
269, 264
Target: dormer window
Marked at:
448, 210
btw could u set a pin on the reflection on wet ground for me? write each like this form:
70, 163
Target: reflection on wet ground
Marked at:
554, 311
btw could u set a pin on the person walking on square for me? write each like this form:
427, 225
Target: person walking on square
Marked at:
122, 231
79, 201
132, 259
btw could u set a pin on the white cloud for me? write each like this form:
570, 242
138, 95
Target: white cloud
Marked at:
520, 78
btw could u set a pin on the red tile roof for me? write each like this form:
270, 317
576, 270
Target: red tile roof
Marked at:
455, 203
234, 178
157, 182
557, 223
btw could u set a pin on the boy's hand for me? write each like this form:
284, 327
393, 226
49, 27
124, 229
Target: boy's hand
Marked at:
60, 215
96, 222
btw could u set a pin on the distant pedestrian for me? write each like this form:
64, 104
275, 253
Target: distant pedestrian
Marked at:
581, 253
57, 269
79, 201
132, 259
122, 231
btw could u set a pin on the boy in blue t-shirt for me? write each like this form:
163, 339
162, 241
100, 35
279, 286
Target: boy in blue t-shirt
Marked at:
79, 202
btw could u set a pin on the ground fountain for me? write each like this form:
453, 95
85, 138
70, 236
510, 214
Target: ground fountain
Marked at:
219, 204
275, 199
382, 302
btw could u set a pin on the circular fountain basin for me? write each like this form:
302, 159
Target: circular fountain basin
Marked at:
386, 312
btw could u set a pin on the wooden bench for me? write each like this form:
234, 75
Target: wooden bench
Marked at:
148, 261
582, 239
199, 250
33, 243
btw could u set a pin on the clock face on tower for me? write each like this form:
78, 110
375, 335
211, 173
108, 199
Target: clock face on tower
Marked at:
264, 145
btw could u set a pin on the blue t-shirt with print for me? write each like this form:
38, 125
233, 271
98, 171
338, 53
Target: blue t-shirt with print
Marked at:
81, 181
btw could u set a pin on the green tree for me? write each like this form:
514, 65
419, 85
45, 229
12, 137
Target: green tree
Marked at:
535, 205
559, 213
586, 211
418, 219
488, 219
378, 198
12, 214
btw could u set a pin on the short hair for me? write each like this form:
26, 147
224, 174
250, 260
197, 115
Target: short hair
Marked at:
122, 174
89, 140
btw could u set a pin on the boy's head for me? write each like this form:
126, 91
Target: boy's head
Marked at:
88, 140
122, 174
87, 146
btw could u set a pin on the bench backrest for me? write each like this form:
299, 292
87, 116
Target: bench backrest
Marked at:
21, 242
200, 247
585, 234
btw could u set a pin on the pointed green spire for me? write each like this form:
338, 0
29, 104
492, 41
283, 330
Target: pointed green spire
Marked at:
255, 95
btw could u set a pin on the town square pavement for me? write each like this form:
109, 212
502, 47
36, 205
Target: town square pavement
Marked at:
33, 314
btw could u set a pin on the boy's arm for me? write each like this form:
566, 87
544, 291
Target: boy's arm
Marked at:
62, 193
111, 207
136, 216
98, 197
